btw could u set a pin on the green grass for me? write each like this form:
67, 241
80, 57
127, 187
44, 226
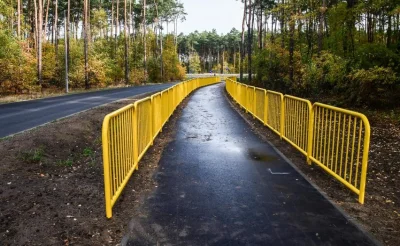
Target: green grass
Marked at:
5, 138
88, 152
33, 156
65, 163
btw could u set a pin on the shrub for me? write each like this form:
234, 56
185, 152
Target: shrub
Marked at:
376, 55
271, 67
377, 86
154, 70
137, 76
17, 66
324, 73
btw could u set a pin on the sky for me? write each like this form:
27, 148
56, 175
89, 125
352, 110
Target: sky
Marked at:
205, 15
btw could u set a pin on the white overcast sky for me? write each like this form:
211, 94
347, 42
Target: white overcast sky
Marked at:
205, 15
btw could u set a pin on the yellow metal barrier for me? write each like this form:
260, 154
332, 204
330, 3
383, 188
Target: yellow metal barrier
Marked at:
128, 133
297, 118
275, 111
340, 145
260, 111
335, 139
234, 78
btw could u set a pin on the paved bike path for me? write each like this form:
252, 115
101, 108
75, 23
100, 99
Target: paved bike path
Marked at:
220, 184
21, 116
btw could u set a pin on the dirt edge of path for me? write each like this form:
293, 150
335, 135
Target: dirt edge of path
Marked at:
51, 182
375, 217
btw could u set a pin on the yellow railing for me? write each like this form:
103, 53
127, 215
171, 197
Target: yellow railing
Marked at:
335, 139
234, 78
128, 132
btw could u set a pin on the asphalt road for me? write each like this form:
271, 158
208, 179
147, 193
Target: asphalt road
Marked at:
219, 184
20, 116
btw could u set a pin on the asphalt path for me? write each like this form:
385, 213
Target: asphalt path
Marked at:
21, 116
219, 184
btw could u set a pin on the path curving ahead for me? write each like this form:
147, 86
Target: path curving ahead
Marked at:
21, 116
220, 184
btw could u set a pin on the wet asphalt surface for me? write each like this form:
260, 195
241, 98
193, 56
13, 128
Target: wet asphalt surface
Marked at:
220, 184
20, 116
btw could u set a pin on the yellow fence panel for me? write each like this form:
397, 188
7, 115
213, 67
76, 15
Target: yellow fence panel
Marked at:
297, 118
250, 96
128, 133
335, 139
118, 130
144, 131
165, 107
275, 111
260, 111
156, 101
341, 144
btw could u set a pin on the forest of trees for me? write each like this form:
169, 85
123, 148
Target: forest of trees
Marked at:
347, 51
97, 43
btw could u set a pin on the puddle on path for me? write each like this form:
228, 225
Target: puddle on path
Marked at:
259, 155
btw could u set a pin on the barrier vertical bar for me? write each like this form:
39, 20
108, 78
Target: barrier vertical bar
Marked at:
310, 135
135, 137
106, 166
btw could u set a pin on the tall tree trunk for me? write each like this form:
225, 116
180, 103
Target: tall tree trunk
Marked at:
130, 22
349, 28
242, 41
112, 19
68, 33
161, 55
389, 31
126, 44
291, 47
19, 18
260, 26
272, 28
282, 22
11, 22
39, 41
161, 40
223, 61
321, 26
46, 19
218, 58
86, 41
144, 40
117, 31
234, 58
370, 36
55, 29
66, 51
250, 25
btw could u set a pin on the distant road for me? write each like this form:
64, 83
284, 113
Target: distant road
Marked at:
20, 116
